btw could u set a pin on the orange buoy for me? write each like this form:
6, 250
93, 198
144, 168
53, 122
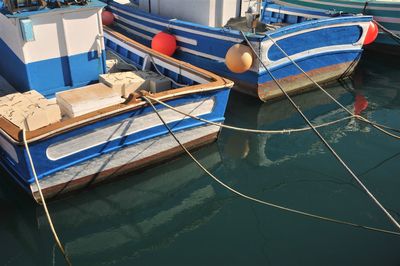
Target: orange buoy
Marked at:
372, 33
107, 18
239, 58
164, 43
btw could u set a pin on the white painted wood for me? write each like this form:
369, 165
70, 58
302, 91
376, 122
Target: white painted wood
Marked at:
81, 31
154, 31
125, 156
124, 128
57, 34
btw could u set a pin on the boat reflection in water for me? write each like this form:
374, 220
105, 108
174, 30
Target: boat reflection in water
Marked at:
270, 149
138, 214
173, 214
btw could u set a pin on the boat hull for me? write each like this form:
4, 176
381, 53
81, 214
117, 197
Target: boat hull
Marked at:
385, 12
325, 44
130, 159
112, 146
298, 83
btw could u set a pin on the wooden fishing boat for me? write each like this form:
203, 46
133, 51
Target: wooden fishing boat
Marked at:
387, 13
326, 47
80, 131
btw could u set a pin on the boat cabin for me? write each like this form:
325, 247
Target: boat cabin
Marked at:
212, 13
43, 46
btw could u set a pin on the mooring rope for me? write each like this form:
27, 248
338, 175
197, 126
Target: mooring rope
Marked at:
375, 125
253, 199
386, 30
46, 210
122, 59
339, 159
250, 130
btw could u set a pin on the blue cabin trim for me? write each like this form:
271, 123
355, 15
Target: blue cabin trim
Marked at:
52, 75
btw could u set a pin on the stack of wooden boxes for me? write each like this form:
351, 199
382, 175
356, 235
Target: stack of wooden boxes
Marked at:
126, 83
29, 110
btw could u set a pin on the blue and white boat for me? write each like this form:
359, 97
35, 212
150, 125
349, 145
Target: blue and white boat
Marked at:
80, 131
386, 12
326, 46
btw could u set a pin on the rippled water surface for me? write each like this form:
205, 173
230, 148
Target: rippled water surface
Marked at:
173, 214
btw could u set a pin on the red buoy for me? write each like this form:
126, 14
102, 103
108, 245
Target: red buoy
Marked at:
372, 33
107, 18
164, 43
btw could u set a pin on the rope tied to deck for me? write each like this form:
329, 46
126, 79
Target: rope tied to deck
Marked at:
263, 202
46, 210
318, 134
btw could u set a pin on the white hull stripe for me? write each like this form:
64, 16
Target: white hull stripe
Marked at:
144, 36
154, 31
316, 51
157, 61
125, 128
184, 49
166, 25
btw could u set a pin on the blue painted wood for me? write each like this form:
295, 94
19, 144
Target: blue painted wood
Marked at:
386, 12
211, 41
46, 167
52, 75
310, 40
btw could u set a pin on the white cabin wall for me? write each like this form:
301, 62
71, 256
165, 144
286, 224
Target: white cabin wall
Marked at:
66, 35
229, 9
213, 13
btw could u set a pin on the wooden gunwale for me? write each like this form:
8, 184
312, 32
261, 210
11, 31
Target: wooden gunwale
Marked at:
14, 133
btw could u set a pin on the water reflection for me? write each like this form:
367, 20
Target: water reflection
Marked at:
173, 214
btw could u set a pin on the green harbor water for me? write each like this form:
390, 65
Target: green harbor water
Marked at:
174, 214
